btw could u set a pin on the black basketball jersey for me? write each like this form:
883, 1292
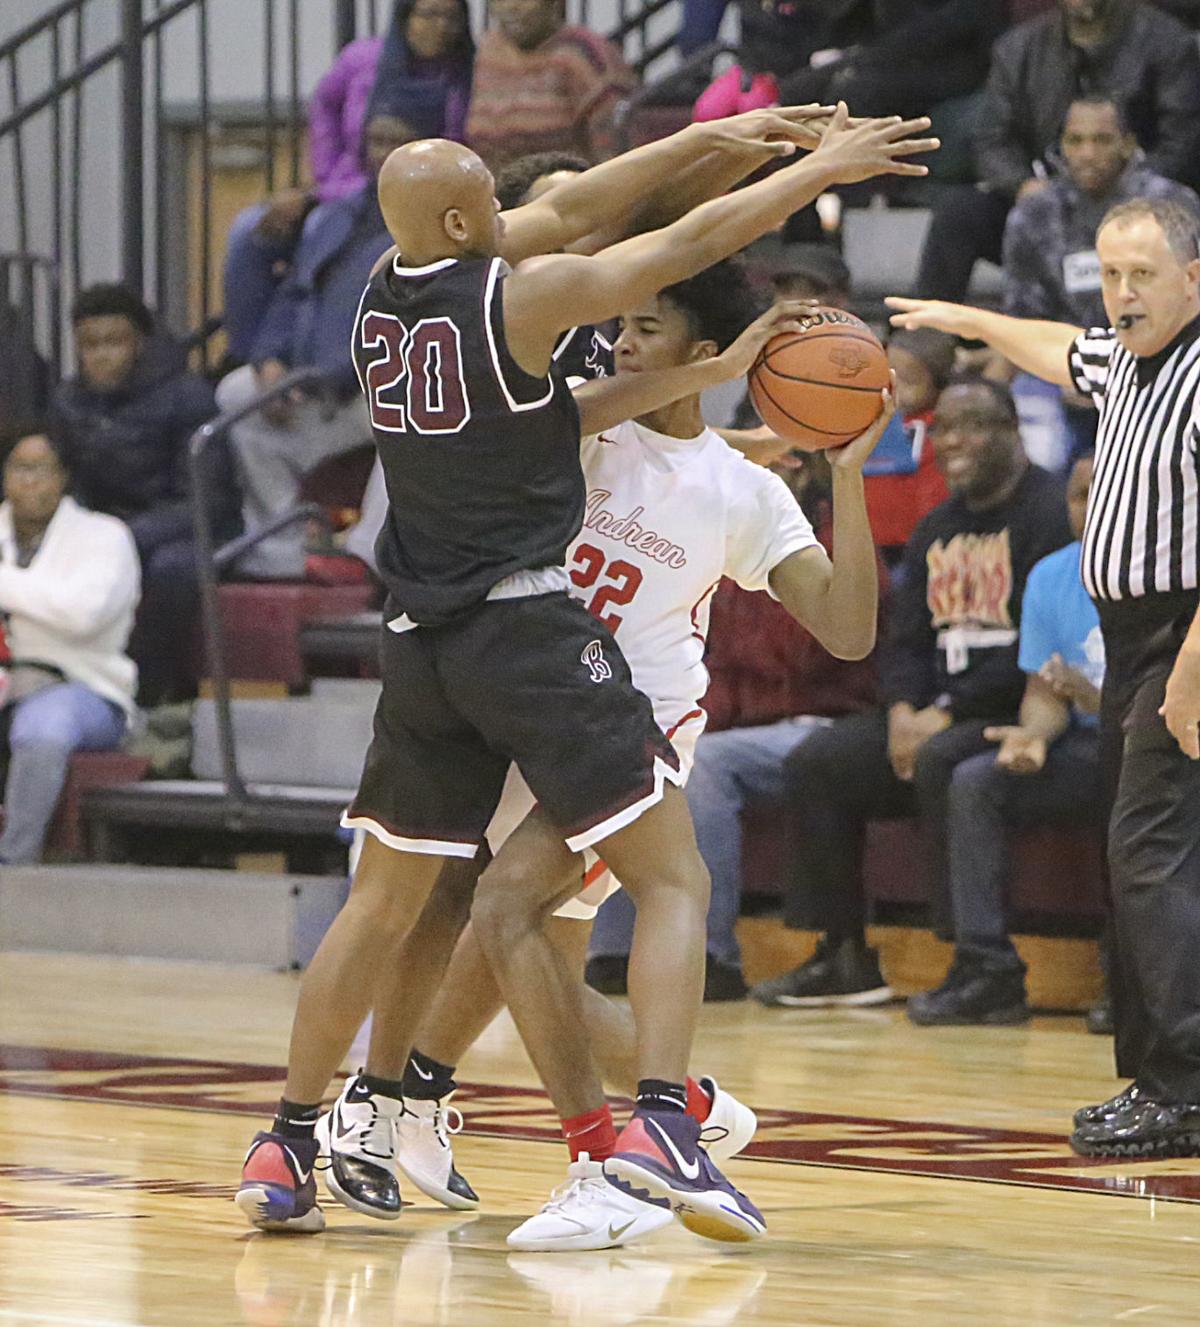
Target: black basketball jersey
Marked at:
587, 352
481, 459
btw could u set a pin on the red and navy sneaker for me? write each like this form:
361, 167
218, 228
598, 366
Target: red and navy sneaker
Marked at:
278, 1191
659, 1156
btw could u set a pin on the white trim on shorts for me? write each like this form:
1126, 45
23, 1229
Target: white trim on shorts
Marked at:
427, 847
588, 837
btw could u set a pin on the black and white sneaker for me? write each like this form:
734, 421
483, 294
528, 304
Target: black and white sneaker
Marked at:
361, 1129
424, 1154
844, 974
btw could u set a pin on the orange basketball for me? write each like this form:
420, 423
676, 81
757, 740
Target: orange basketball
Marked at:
819, 387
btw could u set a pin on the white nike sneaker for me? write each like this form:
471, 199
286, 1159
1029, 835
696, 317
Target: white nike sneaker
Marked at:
730, 1125
361, 1131
424, 1154
588, 1213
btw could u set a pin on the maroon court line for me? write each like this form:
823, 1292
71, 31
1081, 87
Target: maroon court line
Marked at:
955, 1151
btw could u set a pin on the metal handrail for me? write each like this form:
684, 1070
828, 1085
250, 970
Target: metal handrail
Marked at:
210, 560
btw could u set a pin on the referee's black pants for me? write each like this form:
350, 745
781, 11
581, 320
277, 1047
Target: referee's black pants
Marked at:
1154, 855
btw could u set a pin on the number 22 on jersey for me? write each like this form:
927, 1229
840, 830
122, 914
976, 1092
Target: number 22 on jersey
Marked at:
416, 381
624, 579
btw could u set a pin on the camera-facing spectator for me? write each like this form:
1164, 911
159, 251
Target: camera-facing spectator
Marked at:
1050, 264
308, 324
68, 590
1044, 769
543, 85
125, 420
948, 671
1123, 49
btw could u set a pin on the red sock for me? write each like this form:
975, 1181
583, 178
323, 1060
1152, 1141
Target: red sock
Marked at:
699, 1103
592, 1133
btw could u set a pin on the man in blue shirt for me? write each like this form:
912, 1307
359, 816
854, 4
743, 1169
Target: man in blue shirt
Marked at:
308, 324
1046, 769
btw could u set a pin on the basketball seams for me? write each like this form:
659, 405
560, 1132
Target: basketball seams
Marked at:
821, 382
759, 386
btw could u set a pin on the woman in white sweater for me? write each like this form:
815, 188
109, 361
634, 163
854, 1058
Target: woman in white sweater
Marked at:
69, 585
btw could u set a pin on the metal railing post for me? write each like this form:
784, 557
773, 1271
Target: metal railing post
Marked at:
132, 135
345, 23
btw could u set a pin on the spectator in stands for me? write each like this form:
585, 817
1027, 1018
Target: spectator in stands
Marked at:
1045, 769
948, 671
68, 589
308, 325
425, 67
23, 376
917, 54
125, 420
902, 478
1123, 49
1050, 264
543, 85
771, 685
419, 73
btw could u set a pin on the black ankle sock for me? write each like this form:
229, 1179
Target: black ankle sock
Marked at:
426, 1079
295, 1120
657, 1094
367, 1084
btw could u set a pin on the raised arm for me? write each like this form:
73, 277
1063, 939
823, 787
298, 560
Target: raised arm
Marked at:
1040, 348
546, 296
659, 181
606, 402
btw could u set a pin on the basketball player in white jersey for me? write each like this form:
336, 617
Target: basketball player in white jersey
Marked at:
671, 509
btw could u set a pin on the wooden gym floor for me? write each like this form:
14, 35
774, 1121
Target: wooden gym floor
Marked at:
909, 1176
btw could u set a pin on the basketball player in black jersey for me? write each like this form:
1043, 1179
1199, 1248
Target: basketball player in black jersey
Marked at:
487, 661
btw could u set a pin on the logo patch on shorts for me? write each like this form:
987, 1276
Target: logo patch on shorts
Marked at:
598, 666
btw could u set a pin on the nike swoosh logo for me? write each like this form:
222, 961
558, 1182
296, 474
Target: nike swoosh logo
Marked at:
340, 1131
422, 1074
615, 1233
690, 1170
301, 1174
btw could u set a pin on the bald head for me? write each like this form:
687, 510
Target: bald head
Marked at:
438, 201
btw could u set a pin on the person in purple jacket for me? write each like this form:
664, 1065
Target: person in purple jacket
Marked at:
419, 73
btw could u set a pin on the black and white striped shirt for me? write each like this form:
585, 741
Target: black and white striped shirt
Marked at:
1140, 536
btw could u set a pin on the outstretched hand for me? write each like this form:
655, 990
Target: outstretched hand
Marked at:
853, 456
911, 314
775, 132
858, 150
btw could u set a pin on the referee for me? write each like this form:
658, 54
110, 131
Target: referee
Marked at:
1141, 564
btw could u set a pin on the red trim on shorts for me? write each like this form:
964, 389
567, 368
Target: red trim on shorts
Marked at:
696, 613
687, 718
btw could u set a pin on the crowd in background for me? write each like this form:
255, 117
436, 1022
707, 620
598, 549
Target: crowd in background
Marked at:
1051, 111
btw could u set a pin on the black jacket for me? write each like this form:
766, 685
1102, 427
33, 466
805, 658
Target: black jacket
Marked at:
964, 573
128, 449
1151, 65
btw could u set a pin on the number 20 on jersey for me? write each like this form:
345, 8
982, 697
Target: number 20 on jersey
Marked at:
415, 382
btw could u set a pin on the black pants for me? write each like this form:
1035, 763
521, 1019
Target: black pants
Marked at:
967, 224
839, 778
1154, 856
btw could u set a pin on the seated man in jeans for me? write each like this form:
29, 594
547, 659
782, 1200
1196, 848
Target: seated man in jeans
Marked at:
1046, 768
948, 671
771, 685
69, 583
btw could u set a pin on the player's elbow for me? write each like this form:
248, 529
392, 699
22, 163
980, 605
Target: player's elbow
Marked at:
850, 646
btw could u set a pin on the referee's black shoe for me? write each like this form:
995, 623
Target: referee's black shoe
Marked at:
1146, 1128
1107, 1110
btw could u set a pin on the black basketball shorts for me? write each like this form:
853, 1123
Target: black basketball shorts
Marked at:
536, 681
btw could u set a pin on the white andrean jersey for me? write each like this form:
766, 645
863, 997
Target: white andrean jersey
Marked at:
666, 519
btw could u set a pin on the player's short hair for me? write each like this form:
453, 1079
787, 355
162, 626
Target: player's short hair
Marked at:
112, 300
998, 391
516, 179
1098, 102
719, 302
813, 271
1178, 223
